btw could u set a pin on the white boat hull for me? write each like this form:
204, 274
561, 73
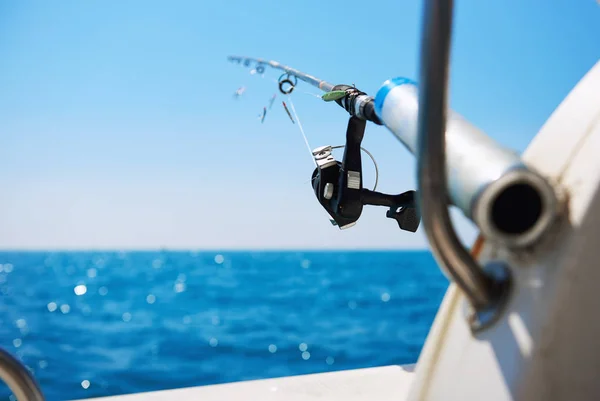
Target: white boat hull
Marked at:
389, 383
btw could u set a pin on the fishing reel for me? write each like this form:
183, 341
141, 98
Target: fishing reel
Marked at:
338, 185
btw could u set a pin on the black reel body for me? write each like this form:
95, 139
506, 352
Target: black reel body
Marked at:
338, 185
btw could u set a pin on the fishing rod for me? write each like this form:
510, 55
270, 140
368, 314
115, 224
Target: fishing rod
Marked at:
510, 202
338, 185
357, 103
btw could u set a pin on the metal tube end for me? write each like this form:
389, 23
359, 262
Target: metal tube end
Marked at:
517, 209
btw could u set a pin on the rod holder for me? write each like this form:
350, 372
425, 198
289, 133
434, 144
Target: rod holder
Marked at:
511, 203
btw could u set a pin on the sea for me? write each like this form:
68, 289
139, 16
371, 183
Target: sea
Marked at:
91, 324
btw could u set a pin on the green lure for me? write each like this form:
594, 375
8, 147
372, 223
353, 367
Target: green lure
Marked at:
333, 95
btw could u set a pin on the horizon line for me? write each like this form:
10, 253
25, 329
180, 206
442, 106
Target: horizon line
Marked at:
215, 249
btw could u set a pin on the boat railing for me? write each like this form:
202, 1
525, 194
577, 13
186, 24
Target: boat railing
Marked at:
18, 379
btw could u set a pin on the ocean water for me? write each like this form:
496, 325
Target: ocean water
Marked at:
92, 324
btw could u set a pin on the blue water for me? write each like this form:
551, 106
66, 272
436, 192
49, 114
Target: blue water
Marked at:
92, 324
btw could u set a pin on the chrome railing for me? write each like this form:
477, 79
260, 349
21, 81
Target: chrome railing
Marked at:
18, 379
431, 157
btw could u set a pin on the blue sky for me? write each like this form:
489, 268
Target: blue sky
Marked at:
118, 128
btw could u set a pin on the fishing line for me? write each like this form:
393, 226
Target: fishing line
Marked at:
312, 94
372, 159
301, 130
334, 147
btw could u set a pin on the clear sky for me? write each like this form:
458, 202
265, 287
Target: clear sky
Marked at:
118, 128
